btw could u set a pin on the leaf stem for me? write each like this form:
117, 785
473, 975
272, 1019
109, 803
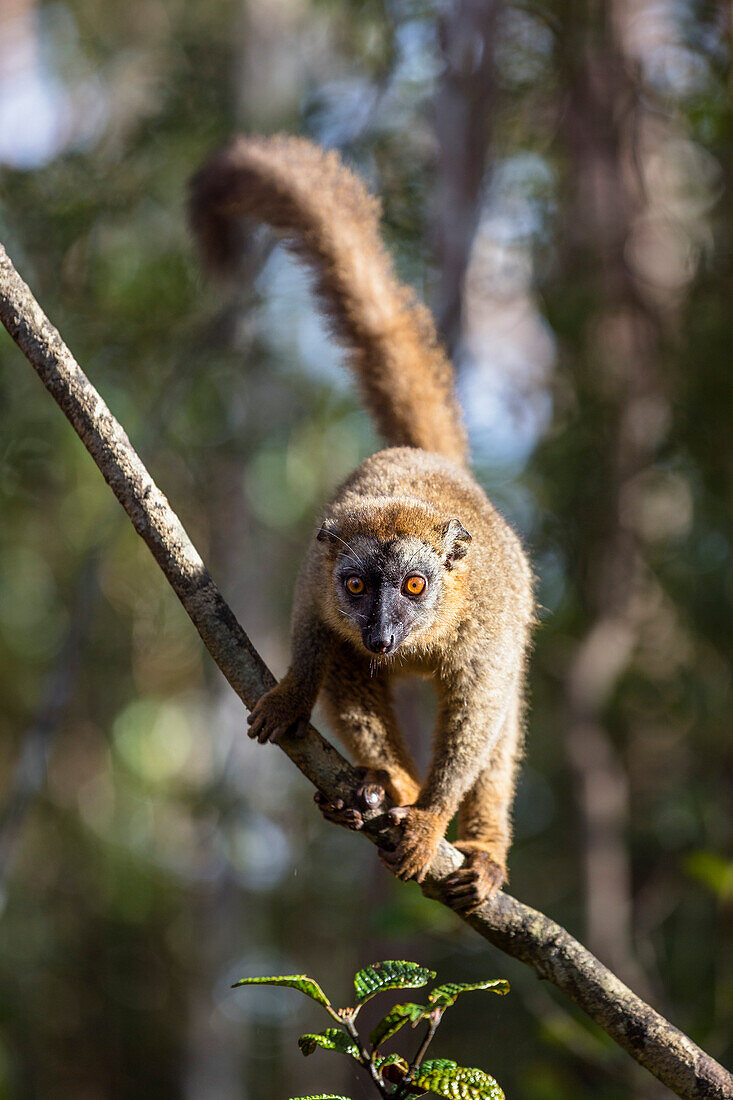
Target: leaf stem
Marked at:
364, 1057
435, 1017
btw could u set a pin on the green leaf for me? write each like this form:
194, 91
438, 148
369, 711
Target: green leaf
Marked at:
394, 1020
296, 981
390, 974
391, 1060
448, 993
447, 1078
392, 1068
320, 1096
330, 1039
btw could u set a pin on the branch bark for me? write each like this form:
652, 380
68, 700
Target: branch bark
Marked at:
513, 927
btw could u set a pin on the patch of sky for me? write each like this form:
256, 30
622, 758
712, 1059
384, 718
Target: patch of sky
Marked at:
41, 112
521, 198
294, 330
524, 47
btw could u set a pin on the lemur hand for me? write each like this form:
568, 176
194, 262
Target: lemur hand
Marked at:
283, 710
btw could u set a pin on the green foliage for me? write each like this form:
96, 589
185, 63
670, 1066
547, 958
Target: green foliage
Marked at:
392, 1060
394, 1020
330, 1039
320, 1096
448, 993
390, 974
447, 1078
393, 1075
295, 981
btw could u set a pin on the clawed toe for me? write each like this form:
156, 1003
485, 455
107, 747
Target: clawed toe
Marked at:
474, 883
401, 865
371, 796
338, 813
421, 832
371, 793
466, 875
462, 895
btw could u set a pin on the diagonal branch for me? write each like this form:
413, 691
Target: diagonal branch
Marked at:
513, 927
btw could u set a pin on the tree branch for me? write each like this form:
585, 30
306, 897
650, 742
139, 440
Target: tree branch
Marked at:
513, 927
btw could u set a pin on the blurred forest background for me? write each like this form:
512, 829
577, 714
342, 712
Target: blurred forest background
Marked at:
557, 182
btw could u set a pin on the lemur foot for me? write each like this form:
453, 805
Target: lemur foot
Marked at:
421, 834
474, 882
338, 812
368, 795
279, 712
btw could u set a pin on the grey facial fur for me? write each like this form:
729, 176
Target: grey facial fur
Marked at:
384, 614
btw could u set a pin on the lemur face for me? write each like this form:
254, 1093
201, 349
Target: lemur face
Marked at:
388, 590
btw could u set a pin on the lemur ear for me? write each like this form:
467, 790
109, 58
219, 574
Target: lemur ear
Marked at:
328, 532
455, 541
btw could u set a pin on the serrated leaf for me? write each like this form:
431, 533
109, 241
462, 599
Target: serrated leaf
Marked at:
394, 1020
390, 974
392, 1068
330, 1039
302, 982
447, 1078
391, 1060
448, 993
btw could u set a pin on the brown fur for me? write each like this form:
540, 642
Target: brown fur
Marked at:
331, 221
473, 642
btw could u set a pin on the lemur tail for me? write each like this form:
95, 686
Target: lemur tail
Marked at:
330, 220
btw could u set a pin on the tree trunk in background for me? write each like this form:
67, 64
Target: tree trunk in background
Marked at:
617, 378
464, 104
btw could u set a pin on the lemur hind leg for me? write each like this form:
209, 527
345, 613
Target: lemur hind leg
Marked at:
359, 708
484, 821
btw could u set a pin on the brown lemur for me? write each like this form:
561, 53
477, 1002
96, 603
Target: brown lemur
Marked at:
412, 571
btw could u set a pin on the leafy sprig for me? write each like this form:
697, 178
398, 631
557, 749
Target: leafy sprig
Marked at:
393, 1075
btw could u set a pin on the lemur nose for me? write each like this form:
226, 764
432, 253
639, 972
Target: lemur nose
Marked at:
379, 643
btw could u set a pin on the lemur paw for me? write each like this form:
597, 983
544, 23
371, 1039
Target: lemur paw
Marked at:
368, 795
338, 812
421, 834
475, 881
371, 793
279, 712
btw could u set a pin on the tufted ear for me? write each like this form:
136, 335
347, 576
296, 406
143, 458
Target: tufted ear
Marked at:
455, 541
328, 532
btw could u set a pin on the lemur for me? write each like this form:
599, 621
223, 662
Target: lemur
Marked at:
412, 571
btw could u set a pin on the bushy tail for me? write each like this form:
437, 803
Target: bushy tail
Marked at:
329, 219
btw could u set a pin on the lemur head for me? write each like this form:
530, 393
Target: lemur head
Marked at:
388, 572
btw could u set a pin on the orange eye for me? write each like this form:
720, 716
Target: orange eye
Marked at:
414, 586
355, 585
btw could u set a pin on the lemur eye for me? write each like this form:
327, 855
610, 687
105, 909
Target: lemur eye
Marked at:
355, 585
414, 585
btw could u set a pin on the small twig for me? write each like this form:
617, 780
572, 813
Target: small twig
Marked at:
435, 1017
364, 1056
